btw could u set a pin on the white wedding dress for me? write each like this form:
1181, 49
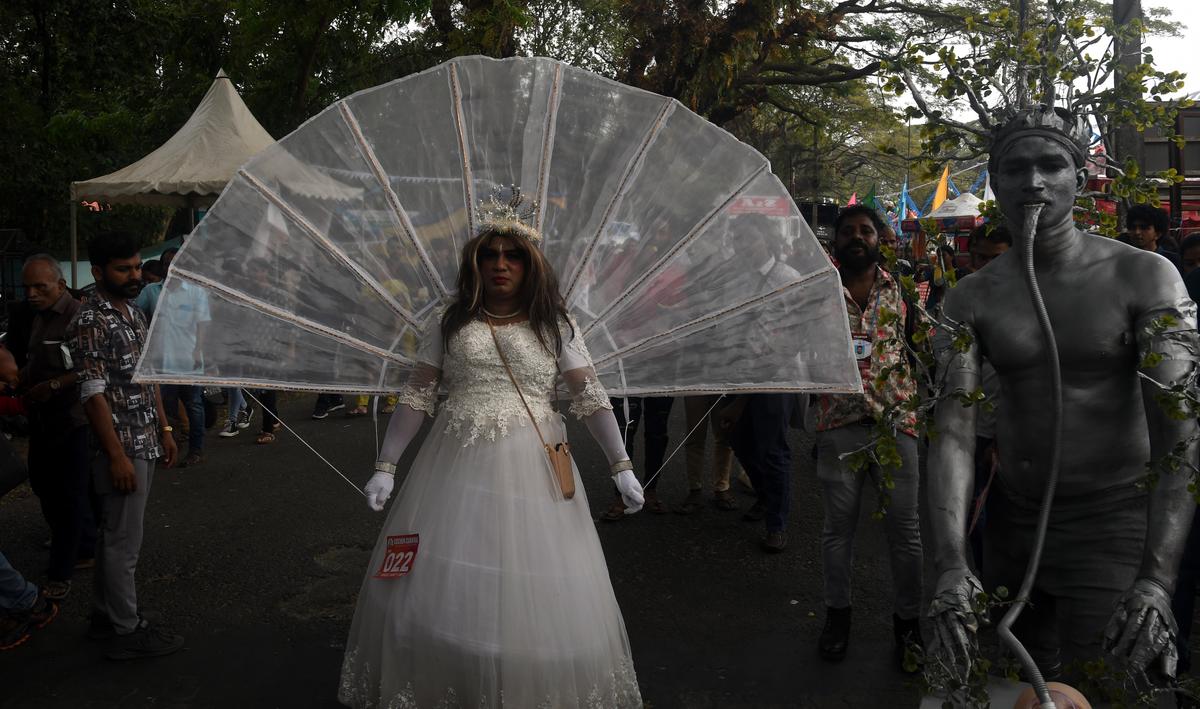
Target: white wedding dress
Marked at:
508, 602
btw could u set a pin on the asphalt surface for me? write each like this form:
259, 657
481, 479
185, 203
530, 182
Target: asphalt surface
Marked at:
257, 554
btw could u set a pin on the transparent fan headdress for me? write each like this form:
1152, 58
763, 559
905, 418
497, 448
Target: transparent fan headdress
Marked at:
683, 258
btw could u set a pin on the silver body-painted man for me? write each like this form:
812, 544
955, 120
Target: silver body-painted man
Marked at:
1113, 547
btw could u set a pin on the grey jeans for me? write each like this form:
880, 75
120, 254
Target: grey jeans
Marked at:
118, 544
841, 493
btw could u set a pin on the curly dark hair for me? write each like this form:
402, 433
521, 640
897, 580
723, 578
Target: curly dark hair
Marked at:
1147, 214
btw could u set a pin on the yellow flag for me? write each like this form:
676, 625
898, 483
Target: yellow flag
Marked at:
943, 188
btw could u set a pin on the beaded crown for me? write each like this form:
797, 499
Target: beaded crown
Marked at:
1057, 124
508, 216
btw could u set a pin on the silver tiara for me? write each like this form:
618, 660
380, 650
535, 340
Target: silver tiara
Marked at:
507, 216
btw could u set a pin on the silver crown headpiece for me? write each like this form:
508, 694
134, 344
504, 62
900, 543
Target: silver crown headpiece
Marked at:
1057, 124
508, 216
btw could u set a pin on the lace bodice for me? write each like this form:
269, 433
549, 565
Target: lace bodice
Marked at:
482, 401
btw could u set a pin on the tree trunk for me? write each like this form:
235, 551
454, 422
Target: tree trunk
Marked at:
1127, 141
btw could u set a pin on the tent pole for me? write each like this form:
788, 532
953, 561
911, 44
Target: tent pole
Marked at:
74, 246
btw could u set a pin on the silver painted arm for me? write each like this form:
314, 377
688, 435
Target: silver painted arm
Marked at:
948, 488
1143, 627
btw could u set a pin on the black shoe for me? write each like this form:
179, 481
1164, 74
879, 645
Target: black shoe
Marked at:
337, 406
835, 637
908, 638
320, 414
243, 418
145, 641
756, 513
775, 542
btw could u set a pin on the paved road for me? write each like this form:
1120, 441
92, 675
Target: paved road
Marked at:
256, 557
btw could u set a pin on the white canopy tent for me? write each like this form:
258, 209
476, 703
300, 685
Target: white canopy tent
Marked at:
964, 205
191, 168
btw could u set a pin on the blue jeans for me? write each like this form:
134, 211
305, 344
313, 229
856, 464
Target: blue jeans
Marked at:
237, 402
16, 594
193, 404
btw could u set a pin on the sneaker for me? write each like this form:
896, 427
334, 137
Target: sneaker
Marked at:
57, 590
101, 628
319, 414
16, 627
338, 406
230, 429
243, 417
145, 641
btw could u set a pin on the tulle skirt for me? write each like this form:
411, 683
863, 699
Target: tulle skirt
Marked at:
508, 602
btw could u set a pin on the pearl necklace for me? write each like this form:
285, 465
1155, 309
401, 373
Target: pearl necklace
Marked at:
513, 314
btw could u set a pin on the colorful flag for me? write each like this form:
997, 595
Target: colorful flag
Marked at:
853, 200
983, 174
943, 187
871, 201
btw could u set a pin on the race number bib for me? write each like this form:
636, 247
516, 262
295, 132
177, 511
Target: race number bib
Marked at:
401, 553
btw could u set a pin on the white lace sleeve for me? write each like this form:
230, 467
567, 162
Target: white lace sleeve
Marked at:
587, 394
420, 391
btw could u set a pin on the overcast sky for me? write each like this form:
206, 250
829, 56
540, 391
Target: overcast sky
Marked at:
1179, 53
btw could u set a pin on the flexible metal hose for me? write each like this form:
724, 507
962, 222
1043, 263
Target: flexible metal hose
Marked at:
1005, 628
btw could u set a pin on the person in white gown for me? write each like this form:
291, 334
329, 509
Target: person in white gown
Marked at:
507, 601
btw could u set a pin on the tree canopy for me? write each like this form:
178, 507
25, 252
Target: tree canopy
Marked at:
93, 86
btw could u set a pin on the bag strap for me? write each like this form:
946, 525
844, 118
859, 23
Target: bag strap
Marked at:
511, 378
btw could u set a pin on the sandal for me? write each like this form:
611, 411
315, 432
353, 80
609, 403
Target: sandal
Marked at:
264, 438
690, 505
615, 513
358, 411
723, 500
389, 409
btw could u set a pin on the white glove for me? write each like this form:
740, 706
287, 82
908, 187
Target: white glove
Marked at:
631, 491
379, 489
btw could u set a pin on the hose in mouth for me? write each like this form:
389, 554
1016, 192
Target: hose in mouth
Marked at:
1028, 232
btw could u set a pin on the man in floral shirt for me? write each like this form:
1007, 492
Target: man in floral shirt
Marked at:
848, 423
106, 339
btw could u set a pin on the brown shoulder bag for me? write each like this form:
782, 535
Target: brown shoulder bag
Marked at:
558, 455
